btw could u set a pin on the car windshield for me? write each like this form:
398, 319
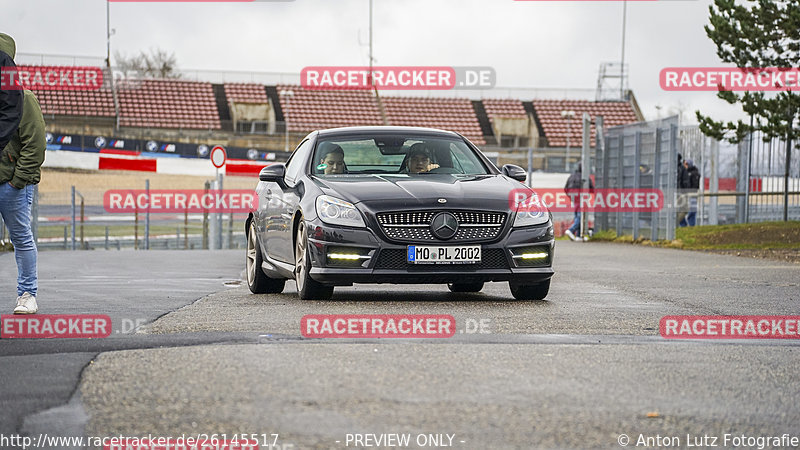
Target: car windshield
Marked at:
401, 155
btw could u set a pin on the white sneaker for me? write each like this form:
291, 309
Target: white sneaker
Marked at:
571, 235
26, 304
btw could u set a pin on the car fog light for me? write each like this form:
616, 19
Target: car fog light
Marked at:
349, 256
344, 256
539, 255
531, 256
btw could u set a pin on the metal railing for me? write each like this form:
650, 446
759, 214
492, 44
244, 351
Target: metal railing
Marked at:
87, 226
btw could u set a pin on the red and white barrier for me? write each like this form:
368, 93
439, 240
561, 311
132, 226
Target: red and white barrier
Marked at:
109, 159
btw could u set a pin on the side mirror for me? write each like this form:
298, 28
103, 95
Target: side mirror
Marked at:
273, 173
514, 172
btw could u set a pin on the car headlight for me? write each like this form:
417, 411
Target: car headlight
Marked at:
528, 218
335, 211
531, 213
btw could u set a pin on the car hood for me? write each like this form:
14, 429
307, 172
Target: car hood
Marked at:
385, 192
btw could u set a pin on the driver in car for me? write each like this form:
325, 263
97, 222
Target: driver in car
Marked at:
331, 159
419, 159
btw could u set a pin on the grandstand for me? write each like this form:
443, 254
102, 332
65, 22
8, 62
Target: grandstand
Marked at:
96, 103
245, 93
168, 104
306, 110
556, 127
504, 108
259, 119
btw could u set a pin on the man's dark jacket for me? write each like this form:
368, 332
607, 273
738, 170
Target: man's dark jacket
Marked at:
21, 159
10, 99
694, 177
574, 181
683, 176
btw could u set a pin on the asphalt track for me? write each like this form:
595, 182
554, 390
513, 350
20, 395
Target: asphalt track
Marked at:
575, 371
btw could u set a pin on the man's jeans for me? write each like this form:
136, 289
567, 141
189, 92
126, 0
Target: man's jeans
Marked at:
15, 206
576, 225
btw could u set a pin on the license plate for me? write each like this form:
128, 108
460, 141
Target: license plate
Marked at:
427, 254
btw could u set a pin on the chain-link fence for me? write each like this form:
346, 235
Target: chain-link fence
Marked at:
744, 182
640, 156
753, 181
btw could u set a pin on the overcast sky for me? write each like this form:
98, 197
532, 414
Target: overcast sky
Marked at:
540, 44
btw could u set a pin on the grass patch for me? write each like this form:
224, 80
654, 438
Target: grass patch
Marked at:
763, 235
605, 235
745, 236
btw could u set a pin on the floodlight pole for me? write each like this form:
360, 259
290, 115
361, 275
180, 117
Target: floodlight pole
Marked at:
569, 115
370, 41
569, 131
286, 95
108, 33
586, 171
622, 61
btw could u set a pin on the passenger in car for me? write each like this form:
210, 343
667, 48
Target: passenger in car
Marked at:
331, 159
419, 159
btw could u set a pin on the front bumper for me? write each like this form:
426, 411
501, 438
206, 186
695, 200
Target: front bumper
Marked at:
380, 261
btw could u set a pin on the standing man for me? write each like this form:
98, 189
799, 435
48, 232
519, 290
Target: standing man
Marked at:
573, 188
20, 170
682, 198
693, 174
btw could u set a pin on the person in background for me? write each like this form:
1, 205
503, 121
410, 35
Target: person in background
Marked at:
682, 186
693, 175
20, 170
574, 187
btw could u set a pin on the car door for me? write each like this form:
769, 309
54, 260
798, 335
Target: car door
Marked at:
282, 205
261, 215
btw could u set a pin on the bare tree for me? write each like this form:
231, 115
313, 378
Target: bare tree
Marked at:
157, 63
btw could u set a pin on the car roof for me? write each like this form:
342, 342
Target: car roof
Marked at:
387, 130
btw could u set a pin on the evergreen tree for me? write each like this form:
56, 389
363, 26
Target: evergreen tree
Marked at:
756, 34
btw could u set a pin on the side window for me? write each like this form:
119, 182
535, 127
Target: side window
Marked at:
296, 163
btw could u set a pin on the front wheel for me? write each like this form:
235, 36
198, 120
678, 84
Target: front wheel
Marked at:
530, 291
257, 280
307, 288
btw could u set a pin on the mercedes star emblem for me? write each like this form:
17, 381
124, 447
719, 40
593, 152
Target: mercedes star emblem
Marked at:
444, 225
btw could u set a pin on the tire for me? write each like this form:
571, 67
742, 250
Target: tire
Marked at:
307, 288
530, 291
465, 287
257, 280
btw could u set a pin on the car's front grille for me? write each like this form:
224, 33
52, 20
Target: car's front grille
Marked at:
395, 259
414, 226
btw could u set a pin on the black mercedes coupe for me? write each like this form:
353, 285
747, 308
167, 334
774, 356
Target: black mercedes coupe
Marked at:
394, 205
